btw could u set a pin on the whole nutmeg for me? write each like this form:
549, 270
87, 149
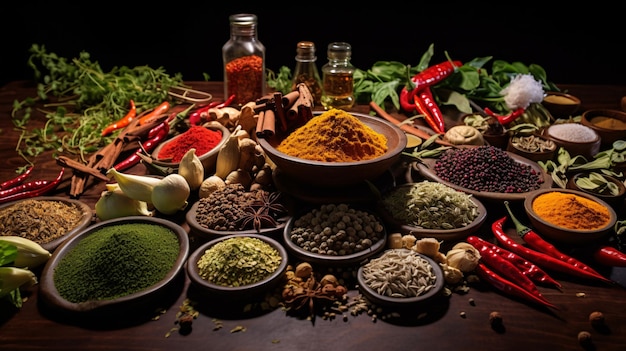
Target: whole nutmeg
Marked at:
584, 338
596, 318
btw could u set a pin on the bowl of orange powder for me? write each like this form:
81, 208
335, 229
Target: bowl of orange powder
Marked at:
336, 148
207, 140
566, 216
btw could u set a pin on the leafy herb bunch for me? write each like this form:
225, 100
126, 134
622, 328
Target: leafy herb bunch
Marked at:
79, 99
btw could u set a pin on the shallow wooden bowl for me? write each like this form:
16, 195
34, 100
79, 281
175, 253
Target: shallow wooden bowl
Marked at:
403, 302
208, 159
586, 149
608, 135
616, 201
141, 301
336, 174
558, 234
85, 221
561, 105
236, 292
533, 155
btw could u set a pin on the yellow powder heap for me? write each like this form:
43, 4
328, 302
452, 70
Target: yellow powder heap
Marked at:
334, 136
571, 211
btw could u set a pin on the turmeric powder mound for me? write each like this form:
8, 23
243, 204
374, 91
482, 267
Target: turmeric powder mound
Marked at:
334, 136
571, 211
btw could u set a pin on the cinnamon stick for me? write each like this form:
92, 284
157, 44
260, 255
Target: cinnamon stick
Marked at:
405, 127
280, 110
69, 163
259, 124
303, 107
269, 123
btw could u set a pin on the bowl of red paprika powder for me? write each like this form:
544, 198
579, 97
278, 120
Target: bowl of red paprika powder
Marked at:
206, 139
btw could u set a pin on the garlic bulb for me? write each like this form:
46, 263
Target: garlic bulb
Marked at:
115, 204
170, 194
451, 275
192, 169
463, 256
427, 246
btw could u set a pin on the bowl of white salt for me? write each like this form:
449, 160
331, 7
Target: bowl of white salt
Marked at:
575, 138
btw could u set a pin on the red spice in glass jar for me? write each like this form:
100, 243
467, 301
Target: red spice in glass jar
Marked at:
198, 137
245, 78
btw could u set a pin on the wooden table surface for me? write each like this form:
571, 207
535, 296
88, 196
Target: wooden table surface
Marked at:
448, 323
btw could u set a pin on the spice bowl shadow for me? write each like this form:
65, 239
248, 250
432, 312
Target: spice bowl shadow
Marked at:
208, 159
562, 235
370, 269
338, 174
141, 302
85, 219
236, 293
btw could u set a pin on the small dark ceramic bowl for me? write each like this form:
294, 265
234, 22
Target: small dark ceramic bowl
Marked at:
85, 220
236, 292
326, 259
144, 300
210, 234
616, 201
446, 235
586, 149
534, 153
208, 159
608, 132
336, 174
561, 105
403, 302
559, 234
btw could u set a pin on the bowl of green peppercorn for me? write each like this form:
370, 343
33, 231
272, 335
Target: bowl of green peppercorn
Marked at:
123, 266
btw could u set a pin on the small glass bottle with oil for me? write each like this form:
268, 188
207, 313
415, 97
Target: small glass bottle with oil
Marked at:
338, 77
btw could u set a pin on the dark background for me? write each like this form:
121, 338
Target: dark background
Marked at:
574, 44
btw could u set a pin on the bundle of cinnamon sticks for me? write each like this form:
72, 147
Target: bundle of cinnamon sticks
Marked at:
290, 109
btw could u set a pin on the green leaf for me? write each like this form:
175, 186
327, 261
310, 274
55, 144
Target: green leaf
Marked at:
8, 253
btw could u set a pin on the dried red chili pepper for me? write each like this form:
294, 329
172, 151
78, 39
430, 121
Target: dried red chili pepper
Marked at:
505, 119
155, 136
426, 105
504, 267
609, 256
506, 286
536, 242
539, 258
195, 117
123, 122
35, 191
17, 180
157, 111
531, 270
244, 77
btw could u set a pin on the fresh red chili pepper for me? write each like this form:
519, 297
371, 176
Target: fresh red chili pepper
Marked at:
505, 119
36, 191
32, 185
195, 117
508, 287
539, 258
406, 102
123, 122
157, 111
426, 105
17, 180
155, 136
531, 270
609, 256
504, 267
536, 242
434, 74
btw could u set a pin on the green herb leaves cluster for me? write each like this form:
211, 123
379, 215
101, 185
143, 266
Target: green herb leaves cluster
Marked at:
79, 99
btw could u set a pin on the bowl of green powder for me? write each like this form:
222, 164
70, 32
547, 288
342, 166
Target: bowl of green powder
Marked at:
237, 266
123, 266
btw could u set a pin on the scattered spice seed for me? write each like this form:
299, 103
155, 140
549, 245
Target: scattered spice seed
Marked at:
596, 318
584, 338
495, 319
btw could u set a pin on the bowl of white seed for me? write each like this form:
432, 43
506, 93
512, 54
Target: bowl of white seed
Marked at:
416, 278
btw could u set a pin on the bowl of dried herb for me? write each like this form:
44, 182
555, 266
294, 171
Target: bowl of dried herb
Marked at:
46, 220
237, 266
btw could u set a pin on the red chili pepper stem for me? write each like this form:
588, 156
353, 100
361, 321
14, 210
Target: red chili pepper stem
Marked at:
538, 258
535, 241
17, 180
609, 256
508, 287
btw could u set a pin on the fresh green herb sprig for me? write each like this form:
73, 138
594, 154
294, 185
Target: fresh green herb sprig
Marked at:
79, 99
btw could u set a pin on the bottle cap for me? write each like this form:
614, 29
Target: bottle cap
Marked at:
339, 50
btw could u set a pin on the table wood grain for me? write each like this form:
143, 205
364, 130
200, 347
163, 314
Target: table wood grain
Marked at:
456, 322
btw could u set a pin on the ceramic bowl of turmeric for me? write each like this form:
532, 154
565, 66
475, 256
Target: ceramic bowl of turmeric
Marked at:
336, 148
610, 125
567, 216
